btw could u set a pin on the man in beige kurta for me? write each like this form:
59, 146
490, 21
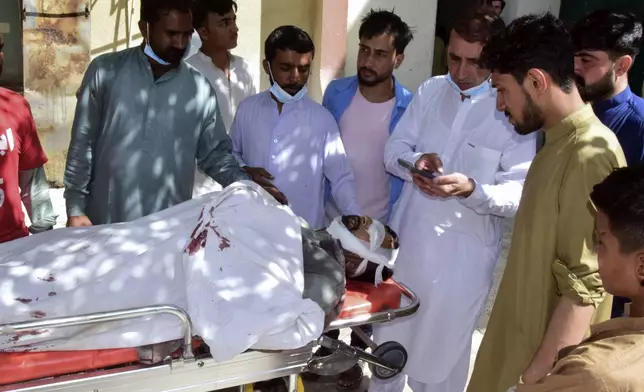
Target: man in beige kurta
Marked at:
551, 260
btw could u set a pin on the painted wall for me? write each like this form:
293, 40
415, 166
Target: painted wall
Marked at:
420, 15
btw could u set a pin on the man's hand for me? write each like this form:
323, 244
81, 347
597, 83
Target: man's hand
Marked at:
79, 221
430, 162
536, 371
451, 185
260, 176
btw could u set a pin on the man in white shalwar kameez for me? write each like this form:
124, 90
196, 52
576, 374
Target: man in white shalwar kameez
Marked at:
450, 227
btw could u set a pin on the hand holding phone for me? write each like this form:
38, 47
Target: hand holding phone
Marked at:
412, 168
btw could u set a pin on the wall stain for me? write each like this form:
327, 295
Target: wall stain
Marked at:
56, 55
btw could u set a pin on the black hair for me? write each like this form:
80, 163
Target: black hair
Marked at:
477, 25
354, 222
151, 9
201, 9
617, 33
489, 2
532, 41
378, 22
288, 38
621, 197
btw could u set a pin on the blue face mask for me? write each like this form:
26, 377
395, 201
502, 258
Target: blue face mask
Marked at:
470, 92
150, 53
282, 95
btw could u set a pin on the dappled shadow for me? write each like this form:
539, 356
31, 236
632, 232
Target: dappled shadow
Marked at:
69, 272
122, 12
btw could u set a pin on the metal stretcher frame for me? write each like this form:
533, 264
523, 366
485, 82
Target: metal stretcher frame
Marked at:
190, 373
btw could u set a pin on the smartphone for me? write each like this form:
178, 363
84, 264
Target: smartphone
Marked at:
412, 168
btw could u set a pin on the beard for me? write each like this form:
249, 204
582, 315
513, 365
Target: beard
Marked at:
599, 90
174, 57
377, 79
532, 118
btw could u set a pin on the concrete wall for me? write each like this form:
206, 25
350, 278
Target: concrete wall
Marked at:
420, 15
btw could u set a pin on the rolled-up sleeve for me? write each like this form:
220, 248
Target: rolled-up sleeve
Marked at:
575, 269
571, 374
214, 150
85, 130
502, 198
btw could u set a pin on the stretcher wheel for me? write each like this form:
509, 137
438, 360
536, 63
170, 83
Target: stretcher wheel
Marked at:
392, 352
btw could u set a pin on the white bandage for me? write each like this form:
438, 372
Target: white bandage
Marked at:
371, 251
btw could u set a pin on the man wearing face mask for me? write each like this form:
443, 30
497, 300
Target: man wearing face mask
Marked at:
606, 44
142, 120
450, 226
281, 135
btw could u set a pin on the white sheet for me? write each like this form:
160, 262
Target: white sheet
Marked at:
242, 290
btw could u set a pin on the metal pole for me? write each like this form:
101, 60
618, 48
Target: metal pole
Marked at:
102, 317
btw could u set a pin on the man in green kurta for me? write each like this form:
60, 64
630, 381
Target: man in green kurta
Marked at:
551, 289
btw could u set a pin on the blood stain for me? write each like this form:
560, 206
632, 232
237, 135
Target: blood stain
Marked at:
223, 241
38, 314
32, 332
197, 242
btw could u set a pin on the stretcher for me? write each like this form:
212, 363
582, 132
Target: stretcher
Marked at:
191, 368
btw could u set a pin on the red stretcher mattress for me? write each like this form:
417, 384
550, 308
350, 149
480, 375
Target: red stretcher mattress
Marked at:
361, 299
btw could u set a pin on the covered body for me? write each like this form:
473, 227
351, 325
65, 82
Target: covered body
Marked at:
219, 257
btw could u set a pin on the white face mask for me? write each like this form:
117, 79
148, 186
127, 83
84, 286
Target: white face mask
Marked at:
472, 91
281, 95
150, 53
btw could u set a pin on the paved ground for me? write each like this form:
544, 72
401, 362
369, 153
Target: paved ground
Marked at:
328, 384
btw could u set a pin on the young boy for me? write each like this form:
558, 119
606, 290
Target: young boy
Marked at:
612, 358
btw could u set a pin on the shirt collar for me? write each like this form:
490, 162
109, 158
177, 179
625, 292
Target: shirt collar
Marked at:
231, 58
606, 104
146, 64
399, 91
569, 124
621, 323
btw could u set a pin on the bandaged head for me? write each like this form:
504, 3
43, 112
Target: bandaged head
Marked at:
366, 243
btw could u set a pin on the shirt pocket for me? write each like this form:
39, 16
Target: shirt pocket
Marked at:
479, 163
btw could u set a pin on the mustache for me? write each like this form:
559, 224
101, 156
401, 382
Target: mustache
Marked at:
292, 86
580, 81
365, 69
